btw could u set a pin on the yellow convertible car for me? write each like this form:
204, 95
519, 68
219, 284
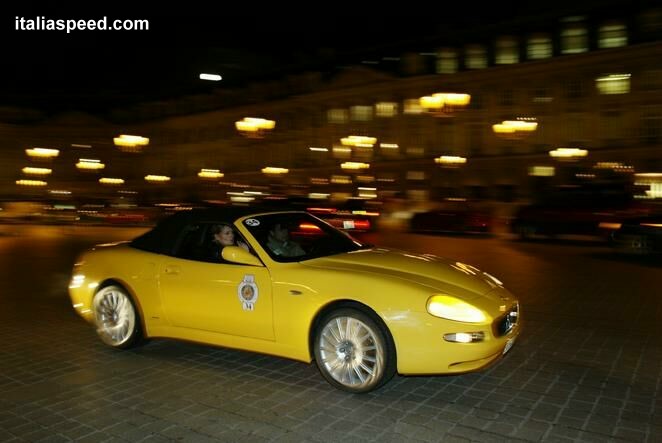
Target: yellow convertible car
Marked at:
292, 285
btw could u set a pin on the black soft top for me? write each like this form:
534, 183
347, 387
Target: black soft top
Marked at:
162, 237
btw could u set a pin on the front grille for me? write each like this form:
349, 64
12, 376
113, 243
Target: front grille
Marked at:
504, 324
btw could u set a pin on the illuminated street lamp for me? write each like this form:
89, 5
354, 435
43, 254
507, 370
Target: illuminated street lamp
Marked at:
212, 77
274, 171
210, 173
568, 153
89, 164
450, 160
515, 129
151, 178
254, 127
28, 170
111, 181
355, 165
42, 153
33, 183
444, 104
358, 141
130, 143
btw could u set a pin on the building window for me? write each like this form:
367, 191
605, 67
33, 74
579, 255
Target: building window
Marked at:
651, 80
447, 61
386, 109
412, 64
477, 101
507, 51
574, 89
476, 140
338, 115
475, 57
574, 39
506, 97
415, 175
613, 84
417, 195
652, 126
542, 95
612, 35
612, 128
539, 47
650, 22
361, 113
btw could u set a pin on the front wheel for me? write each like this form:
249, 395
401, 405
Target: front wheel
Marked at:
117, 320
353, 352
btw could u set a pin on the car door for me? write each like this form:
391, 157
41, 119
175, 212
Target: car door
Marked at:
226, 298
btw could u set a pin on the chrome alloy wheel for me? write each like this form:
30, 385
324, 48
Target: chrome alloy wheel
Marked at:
351, 352
115, 316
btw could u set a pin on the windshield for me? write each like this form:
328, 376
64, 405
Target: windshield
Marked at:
298, 236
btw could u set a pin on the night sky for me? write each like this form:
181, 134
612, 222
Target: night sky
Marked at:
95, 70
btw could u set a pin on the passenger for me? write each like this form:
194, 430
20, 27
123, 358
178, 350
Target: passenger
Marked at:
224, 236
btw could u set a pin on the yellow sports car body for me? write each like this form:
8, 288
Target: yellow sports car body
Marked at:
294, 286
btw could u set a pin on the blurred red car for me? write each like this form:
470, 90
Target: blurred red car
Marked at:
457, 216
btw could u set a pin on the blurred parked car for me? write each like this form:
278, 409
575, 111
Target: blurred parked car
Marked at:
573, 211
457, 216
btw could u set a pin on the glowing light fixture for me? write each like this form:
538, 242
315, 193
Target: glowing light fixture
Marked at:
568, 153
24, 182
450, 160
212, 77
157, 178
210, 173
36, 171
42, 152
89, 164
274, 170
111, 181
355, 165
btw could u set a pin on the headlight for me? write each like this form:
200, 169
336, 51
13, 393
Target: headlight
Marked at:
451, 308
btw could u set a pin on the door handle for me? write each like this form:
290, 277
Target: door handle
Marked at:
173, 270
295, 292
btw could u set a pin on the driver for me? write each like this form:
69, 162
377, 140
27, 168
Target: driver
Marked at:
280, 244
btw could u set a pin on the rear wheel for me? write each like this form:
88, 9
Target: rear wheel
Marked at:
116, 317
353, 352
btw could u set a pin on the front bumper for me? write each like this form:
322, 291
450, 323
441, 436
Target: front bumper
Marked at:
421, 348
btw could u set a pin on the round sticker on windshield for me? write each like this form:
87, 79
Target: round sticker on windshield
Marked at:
252, 222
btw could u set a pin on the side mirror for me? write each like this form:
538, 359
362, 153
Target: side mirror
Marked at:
236, 254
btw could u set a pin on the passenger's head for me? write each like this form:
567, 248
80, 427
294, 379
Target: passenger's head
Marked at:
223, 234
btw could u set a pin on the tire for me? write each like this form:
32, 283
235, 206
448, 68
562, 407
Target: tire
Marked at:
353, 352
116, 317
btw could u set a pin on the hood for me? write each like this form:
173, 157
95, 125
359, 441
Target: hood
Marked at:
441, 274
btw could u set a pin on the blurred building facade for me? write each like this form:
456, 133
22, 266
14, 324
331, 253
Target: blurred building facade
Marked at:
590, 82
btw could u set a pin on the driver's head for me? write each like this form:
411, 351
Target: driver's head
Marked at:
279, 232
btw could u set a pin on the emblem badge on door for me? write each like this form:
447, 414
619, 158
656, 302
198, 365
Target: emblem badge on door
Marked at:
247, 292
